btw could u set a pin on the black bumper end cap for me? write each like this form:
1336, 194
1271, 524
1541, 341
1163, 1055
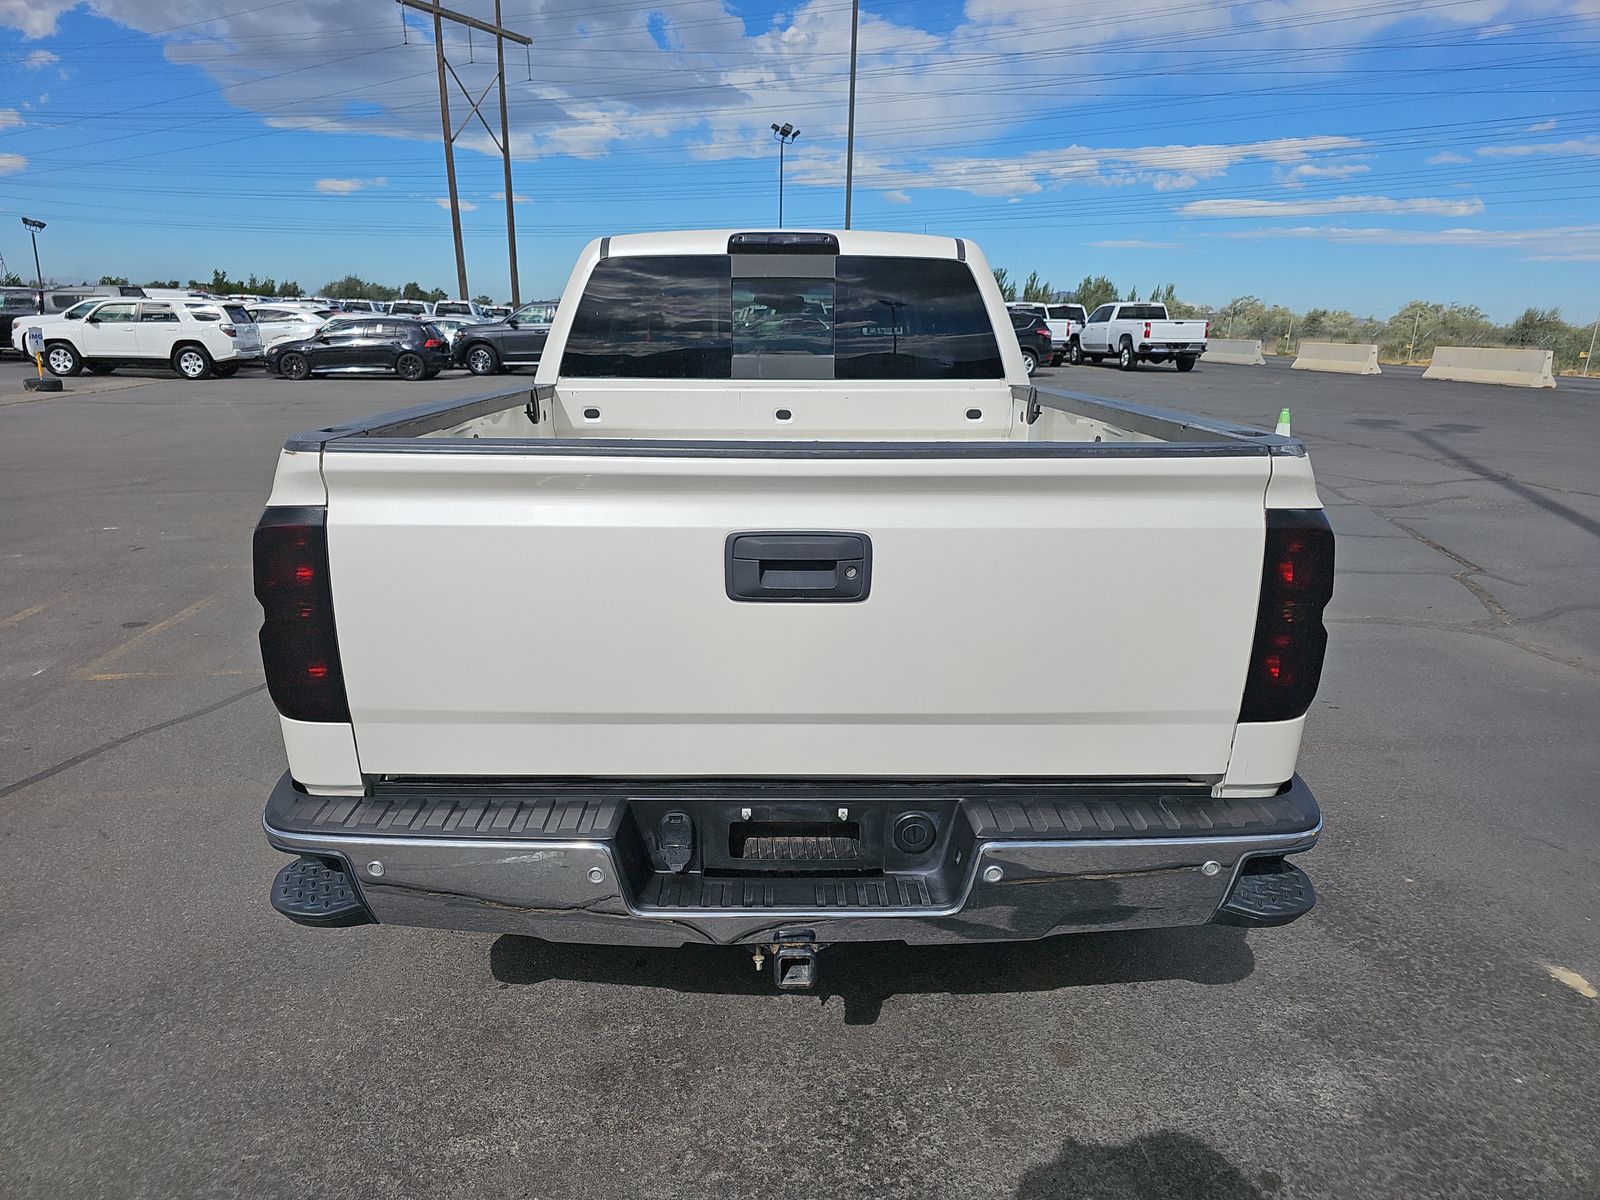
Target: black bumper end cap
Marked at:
1268, 892
311, 891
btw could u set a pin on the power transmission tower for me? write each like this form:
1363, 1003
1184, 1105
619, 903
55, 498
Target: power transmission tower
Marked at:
502, 35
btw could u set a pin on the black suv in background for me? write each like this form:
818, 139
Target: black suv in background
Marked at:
390, 345
1033, 335
496, 346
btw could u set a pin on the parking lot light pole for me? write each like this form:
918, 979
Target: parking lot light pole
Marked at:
33, 233
784, 134
850, 137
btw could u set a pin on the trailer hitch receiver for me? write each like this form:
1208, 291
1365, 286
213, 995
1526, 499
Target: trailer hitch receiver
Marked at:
794, 959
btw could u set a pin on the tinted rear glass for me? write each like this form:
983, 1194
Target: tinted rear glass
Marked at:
687, 317
654, 318
236, 314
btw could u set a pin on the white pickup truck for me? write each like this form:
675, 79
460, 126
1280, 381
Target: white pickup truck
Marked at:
1065, 321
713, 634
1135, 333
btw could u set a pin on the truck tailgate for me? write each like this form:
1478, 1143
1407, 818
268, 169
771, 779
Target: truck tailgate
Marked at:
519, 614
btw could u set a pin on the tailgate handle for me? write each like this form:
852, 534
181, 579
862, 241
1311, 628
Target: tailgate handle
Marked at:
797, 567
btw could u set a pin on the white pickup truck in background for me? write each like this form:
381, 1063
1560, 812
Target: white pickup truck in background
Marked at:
1065, 321
1133, 333
711, 636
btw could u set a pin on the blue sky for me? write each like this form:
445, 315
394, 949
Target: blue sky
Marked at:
1346, 153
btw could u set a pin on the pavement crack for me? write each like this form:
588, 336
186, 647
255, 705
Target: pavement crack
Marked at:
95, 751
1466, 577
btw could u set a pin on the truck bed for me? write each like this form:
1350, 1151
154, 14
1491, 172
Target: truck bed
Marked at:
689, 418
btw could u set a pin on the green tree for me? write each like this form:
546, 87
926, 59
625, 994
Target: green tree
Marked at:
1094, 291
289, 288
1540, 327
113, 281
482, 299
1008, 290
1034, 288
350, 287
11, 279
162, 283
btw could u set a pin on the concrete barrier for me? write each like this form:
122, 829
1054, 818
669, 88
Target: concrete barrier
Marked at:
1481, 364
1244, 351
1347, 358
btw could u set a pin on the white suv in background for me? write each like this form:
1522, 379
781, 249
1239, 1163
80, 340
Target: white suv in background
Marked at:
195, 340
279, 323
460, 308
411, 308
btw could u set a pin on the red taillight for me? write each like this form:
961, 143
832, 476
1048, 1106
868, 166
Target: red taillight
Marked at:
1147, 331
1207, 332
433, 344
230, 330
299, 645
1290, 640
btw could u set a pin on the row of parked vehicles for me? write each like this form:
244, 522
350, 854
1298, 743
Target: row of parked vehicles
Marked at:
202, 336
1129, 332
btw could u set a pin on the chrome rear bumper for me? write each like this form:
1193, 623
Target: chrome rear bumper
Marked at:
588, 883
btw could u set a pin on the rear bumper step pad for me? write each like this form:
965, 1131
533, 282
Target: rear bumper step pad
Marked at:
1268, 892
311, 891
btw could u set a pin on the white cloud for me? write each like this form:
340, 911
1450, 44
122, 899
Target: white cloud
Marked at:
1135, 244
1163, 168
9, 118
1559, 243
1588, 145
40, 58
1544, 126
1328, 170
1427, 205
466, 205
1440, 159
897, 197
11, 162
516, 198
700, 71
343, 187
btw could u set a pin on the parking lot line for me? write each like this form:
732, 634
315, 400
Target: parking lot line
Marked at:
18, 617
110, 656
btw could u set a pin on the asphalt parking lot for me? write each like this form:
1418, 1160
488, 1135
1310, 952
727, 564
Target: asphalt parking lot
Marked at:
1431, 1029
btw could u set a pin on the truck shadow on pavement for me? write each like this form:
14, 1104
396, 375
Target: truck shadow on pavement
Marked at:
863, 975
1158, 1166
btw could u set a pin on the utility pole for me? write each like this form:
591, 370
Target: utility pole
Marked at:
850, 137
505, 154
1590, 359
440, 14
1411, 355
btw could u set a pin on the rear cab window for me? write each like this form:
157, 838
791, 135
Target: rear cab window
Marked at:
768, 316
